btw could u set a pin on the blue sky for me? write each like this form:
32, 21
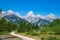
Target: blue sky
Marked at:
43, 7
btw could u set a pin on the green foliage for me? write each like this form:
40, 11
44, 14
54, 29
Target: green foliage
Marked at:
35, 33
24, 27
28, 28
0, 10
21, 27
55, 22
55, 26
6, 26
49, 38
35, 26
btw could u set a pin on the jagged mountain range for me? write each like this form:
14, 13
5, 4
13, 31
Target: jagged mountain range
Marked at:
30, 17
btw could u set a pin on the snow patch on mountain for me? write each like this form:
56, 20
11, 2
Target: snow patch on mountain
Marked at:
31, 14
30, 17
10, 12
17, 14
51, 15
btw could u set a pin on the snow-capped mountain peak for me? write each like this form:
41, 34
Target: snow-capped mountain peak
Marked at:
30, 14
10, 11
30, 17
51, 15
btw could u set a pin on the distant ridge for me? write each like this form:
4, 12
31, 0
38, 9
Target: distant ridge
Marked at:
30, 17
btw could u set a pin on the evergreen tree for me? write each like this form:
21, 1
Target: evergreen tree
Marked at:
21, 27
6, 26
55, 26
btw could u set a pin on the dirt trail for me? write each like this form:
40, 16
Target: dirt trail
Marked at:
22, 37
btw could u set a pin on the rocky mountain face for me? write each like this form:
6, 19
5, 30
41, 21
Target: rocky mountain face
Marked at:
13, 17
39, 19
30, 17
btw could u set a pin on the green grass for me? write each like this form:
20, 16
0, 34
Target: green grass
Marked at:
5, 32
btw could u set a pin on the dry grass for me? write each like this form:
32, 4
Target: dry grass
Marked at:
8, 37
39, 37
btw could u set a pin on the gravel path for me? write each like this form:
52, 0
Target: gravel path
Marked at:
22, 37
